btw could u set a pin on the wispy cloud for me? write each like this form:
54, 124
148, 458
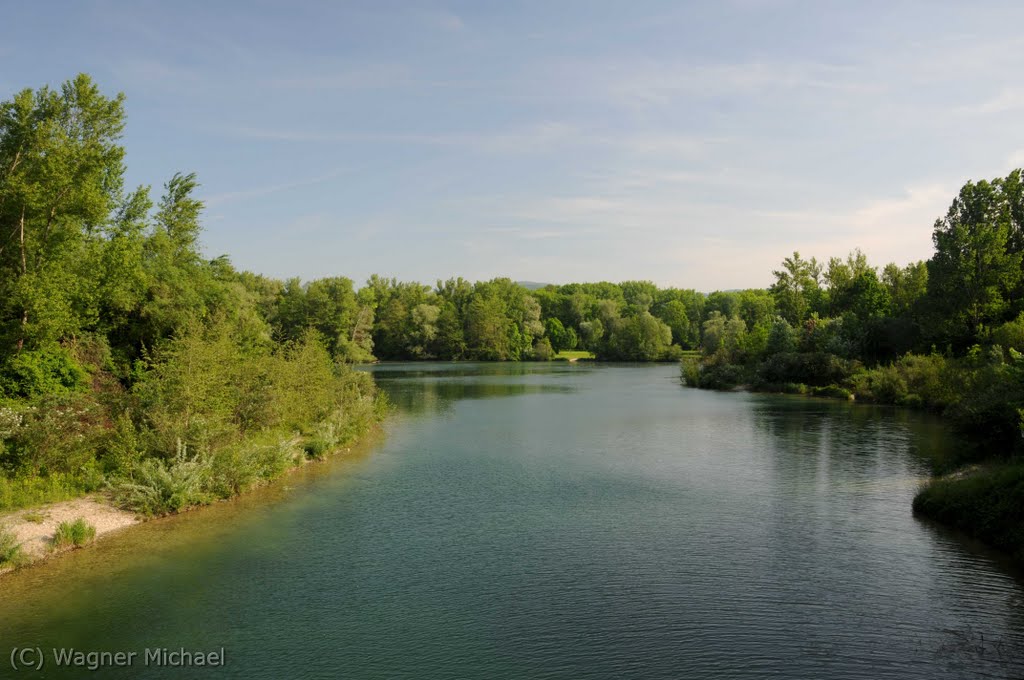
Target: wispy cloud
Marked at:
529, 138
448, 21
1007, 100
661, 82
345, 77
261, 191
541, 137
1016, 159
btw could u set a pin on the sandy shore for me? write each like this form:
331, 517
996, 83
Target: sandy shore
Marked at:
35, 527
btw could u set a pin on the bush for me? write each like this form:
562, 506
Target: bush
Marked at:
10, 549
73, 534
318, 447
123, 447
672, 353
810, 368
689, 371
833, 392
238, 468
542, 350
55, 434
49, 369
988, 505
26, 491
1011, 333
989, 404
722, 377
887, 384
159, 487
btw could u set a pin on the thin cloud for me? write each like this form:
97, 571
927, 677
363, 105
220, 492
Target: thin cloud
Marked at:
540, 137
449, 21
259, 192
1008, 100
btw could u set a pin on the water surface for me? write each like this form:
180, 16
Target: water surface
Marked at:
559, 521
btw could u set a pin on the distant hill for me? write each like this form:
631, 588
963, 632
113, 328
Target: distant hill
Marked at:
531, 285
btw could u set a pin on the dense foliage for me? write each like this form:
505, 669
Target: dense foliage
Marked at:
126, 358
497, 320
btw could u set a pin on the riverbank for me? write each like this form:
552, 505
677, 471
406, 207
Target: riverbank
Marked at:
986, 502
34, 529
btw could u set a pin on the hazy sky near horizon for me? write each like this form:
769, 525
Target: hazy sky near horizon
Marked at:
693, 144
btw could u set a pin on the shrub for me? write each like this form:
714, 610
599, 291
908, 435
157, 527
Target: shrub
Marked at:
123, 447
25, 491
49, 369
245, 465
887, 384
542, 350
10, 549
73, 534
689, 371
989, 404
810, 368
158, 487
1011, 333
721, 376
988, 505
57, 433
317, 447
832, 391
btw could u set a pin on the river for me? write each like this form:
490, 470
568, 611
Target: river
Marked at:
557, 521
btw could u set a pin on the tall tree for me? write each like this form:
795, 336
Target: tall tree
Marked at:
61, 170
975, 267
796, 287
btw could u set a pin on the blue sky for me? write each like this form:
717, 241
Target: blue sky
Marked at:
692, 144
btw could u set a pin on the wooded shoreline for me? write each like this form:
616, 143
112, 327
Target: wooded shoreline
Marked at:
130, 362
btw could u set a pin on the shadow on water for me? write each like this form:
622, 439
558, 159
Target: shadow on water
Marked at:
435, 387
853, 429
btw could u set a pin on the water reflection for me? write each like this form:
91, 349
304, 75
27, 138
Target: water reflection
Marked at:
847, 473
421, 389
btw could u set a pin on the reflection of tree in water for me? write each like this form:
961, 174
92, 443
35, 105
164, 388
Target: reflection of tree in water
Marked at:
848, 433
835, 457
433, 387
970, 651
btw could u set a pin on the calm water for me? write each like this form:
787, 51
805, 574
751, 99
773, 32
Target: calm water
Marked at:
535, 521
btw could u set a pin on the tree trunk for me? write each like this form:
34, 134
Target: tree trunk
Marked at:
24, 270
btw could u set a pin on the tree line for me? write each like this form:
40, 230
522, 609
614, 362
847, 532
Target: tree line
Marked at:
943, 333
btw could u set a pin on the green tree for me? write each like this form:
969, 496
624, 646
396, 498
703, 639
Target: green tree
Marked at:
642, 337
673, 313
488, 328
61, 169
974, 269
559, 336
796, 287
907, 286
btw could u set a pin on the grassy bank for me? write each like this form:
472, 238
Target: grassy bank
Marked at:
574, 355
987, 504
